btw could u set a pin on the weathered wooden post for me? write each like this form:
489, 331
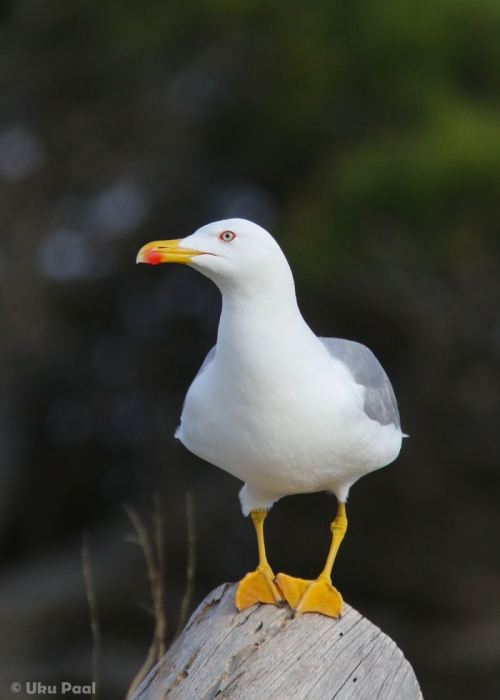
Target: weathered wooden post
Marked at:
263, 652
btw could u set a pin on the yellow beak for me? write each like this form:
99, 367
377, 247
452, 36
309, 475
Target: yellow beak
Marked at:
165, 251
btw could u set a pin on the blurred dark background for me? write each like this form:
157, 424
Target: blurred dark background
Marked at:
366, 137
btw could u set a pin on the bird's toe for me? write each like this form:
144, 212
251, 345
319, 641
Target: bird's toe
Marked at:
258, 587
311, 596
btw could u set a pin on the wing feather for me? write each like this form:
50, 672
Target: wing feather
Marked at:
380, 401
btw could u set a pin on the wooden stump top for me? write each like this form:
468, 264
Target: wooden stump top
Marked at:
263, 653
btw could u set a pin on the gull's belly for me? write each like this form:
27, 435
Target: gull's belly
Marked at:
288, 442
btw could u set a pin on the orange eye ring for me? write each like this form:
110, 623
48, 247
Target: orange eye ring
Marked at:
227, 236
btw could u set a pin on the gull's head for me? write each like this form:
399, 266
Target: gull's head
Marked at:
232, 252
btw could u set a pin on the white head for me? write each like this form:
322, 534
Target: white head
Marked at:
234, 253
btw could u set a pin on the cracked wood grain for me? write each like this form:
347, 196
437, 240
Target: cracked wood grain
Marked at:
262, 652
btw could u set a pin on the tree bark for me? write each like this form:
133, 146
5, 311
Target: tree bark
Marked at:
263, 652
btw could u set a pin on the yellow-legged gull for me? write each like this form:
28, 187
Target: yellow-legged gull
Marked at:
276, 406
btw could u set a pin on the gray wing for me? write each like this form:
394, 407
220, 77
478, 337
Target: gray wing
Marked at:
380, 402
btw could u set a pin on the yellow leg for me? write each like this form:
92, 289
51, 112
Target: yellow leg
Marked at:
258, 586
319, 595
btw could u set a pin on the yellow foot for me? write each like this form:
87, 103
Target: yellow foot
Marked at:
311, 596
258, 587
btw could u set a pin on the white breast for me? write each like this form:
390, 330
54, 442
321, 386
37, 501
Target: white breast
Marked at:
297, 432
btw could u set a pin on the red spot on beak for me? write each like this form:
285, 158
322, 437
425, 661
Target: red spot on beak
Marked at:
153, 257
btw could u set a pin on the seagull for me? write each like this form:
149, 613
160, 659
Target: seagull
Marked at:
278, 407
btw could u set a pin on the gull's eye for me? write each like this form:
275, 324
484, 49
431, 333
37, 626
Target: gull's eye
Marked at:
227, 236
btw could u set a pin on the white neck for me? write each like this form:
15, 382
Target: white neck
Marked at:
258, 332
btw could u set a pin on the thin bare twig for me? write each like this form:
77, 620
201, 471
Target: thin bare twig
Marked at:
94, 613
154, 554
155, 575
159, 598
144, 670
191, 564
